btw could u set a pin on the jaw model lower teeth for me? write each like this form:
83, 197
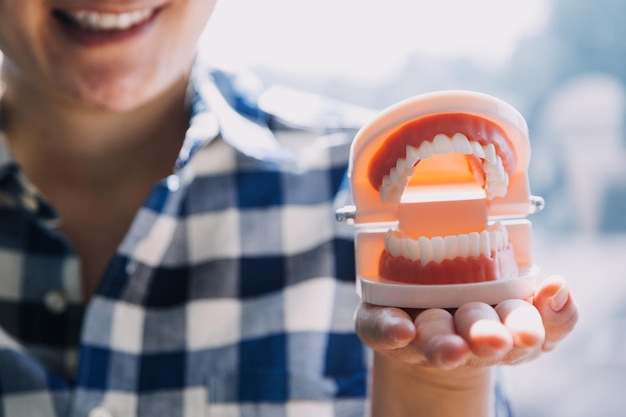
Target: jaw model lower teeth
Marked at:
441, 192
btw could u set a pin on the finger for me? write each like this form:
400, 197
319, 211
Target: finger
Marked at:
384, 328
438, 341
523, 322
480, 326
557, 308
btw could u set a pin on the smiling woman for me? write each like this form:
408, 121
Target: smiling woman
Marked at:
162, 253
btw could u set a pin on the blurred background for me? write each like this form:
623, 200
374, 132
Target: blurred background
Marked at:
561, 63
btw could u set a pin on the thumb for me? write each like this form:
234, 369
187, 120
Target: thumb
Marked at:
384, 328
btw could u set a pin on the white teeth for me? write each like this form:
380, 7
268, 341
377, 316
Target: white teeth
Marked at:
451, 245
490, 152
463, 245
412, 153
461, 144
496, 178
425, 250
109, 21
437, 249
442, 144
484, 242
426, 150
474, 244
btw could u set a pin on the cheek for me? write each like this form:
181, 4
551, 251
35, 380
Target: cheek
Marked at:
14, 46
186, 25
179, 42
22, 28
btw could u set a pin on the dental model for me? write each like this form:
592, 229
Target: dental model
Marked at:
440, 195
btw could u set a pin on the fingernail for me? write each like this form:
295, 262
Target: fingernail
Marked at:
559, 299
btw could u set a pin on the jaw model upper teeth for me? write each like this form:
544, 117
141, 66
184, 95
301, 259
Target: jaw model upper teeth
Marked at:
109, 21
496, 178
438, 248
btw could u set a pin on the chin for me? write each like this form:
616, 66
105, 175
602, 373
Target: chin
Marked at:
117, 103
116, 91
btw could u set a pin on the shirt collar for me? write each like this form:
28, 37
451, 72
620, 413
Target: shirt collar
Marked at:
236, 118
15, 188
212, 115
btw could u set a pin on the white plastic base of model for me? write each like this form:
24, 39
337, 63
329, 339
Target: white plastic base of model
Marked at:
447, 296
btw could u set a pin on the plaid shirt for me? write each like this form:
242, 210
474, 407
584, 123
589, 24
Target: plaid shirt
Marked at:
232, 293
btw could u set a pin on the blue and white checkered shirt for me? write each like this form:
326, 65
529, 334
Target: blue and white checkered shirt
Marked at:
232, 294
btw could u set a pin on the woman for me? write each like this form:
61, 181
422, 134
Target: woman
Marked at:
161, 256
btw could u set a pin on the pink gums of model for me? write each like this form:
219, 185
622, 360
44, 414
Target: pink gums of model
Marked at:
441, 191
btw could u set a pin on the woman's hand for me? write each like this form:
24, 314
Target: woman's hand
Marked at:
449, 351
475, 334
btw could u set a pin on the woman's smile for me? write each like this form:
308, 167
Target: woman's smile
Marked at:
93, 28
105, 54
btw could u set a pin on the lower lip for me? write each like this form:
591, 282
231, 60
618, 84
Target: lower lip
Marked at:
94, 38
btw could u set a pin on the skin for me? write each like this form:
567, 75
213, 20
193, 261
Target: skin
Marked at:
95, 127
450, 354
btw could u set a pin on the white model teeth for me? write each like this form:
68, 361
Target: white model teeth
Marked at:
110, 21
496, 178
438, 248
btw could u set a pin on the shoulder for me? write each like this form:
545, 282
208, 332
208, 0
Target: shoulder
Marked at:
287, 108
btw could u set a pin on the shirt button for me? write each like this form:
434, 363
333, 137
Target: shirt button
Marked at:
100, 412
173, 183
55, 302
29, 202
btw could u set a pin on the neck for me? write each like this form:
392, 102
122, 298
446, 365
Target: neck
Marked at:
95, 167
